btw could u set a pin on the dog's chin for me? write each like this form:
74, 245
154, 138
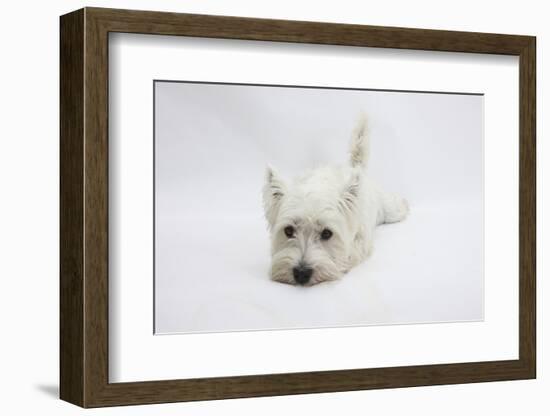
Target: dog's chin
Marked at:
284, 261
316, 278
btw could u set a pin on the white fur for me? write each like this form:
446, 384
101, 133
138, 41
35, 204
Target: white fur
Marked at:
342, 199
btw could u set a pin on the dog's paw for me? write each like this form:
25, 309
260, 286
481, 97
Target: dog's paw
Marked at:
395, 208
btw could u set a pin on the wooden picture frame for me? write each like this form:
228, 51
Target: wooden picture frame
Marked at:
84, 207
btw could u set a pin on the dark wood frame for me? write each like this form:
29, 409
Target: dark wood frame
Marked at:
84, 209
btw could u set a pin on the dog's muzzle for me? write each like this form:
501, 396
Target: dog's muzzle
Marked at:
302, 274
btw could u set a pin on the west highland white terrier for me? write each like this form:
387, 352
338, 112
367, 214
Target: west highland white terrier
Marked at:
322, 223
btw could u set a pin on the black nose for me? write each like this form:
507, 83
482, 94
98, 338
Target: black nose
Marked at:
302, 274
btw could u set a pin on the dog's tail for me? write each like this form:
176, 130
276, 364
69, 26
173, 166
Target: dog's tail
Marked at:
359, 150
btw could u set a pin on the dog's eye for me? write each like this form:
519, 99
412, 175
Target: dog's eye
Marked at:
289, 231
326, 234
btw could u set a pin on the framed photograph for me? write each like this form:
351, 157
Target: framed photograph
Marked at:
254, 207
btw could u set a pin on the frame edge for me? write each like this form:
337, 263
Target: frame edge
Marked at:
71, 290
528, 208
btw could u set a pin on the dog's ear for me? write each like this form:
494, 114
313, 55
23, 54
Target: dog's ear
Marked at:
351, 191
273, 193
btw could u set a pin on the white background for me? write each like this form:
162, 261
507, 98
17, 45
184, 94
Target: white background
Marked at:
29, 224
213, 143
131, 346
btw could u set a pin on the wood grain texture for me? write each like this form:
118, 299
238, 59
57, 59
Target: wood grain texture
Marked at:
71, 213
84, 207
527, 207
96, 226
162, 23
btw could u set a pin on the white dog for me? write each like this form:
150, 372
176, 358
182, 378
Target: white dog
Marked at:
322, 223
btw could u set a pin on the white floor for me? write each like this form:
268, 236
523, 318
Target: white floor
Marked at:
425, 269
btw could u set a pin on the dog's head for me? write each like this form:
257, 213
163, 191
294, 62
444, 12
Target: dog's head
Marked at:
313, 224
